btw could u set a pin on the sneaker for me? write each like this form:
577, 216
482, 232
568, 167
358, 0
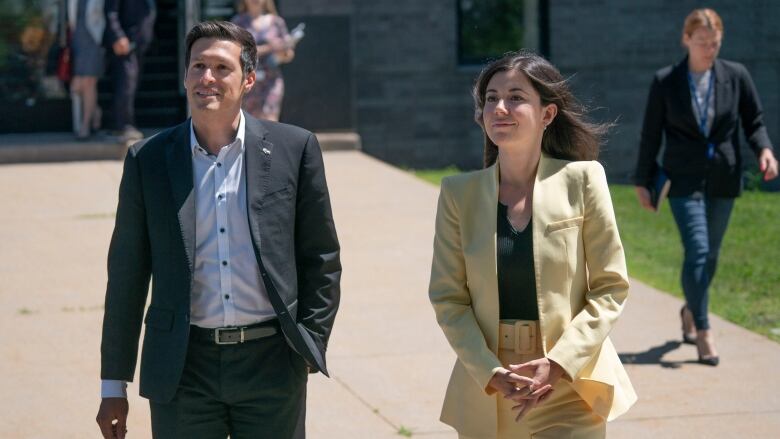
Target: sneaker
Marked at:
130, 134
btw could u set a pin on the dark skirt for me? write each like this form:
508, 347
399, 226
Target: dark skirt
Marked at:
87, 54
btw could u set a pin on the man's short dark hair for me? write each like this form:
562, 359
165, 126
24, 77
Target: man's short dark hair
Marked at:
226, 31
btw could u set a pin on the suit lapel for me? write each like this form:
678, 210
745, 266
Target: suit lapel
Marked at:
491, 196
259, 153
482, 241
682, 94
723, 96
539, 220
179, 163
478, 243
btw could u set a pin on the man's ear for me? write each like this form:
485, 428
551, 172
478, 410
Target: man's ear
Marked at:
250, 81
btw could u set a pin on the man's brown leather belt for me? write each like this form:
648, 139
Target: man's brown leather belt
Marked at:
235, 335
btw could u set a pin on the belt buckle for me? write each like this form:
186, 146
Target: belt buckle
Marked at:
217, 332
529, 335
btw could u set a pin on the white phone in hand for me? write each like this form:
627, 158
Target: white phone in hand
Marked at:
297, 34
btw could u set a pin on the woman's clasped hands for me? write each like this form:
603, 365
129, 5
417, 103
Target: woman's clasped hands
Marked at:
527, 384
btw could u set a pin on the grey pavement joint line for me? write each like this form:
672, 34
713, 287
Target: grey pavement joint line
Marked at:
387, 355
416, 433
699, 415
374, 410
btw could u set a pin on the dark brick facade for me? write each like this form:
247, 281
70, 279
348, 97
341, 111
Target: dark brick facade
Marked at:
388, 69
411, 100
613, 47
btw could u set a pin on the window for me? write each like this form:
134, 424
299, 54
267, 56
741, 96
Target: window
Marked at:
224, 9
217, 9
489, 28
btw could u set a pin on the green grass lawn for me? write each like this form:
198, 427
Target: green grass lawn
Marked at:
746, 289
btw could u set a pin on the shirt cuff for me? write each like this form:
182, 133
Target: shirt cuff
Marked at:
113, 389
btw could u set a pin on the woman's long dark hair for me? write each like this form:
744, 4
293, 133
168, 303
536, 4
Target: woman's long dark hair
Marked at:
569, 136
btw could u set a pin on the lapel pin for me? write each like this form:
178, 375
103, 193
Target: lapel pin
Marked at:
266, 151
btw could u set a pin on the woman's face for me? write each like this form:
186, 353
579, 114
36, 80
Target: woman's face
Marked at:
513, 112
703, 45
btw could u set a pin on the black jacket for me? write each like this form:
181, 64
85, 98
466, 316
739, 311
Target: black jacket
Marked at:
669, 114
133, 19
292, 232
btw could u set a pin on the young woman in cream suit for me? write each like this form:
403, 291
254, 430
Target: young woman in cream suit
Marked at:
529, 274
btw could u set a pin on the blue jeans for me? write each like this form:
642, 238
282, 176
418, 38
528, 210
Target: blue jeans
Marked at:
702, 222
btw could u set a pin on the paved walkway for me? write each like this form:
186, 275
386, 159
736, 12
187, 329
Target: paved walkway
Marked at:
388, 359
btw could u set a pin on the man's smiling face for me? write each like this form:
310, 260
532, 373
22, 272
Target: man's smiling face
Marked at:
214, 79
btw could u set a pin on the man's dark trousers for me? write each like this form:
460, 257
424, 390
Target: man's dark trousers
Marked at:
253, 390
125, 74
133, 19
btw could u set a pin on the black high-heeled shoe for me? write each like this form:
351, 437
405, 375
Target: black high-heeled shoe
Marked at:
687, 339
709, 361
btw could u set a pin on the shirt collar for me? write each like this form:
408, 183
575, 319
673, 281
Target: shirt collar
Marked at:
239, 133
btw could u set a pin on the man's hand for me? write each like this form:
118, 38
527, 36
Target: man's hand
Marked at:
644, 197
121, 46
767, 164
113, 409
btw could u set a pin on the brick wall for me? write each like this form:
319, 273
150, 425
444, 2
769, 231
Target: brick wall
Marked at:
412, 103
613, 47
315, 7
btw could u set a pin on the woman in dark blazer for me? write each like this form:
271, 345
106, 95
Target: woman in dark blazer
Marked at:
697, 105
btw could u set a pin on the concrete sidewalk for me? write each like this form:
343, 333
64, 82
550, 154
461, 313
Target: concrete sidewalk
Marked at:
388, 359
63, 147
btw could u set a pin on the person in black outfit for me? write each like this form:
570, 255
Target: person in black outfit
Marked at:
697, 105
129, 31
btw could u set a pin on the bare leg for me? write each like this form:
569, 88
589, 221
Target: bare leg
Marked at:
76, 96
89, 97
688, 327
705, 343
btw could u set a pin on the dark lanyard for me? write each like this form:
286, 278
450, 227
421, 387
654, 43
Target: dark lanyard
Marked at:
703, 112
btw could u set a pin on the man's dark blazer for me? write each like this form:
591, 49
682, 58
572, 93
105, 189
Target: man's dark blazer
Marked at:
292, 232
133, 19
669, 112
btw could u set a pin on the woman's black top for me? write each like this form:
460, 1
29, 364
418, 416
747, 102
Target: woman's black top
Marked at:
670, 119
516, 279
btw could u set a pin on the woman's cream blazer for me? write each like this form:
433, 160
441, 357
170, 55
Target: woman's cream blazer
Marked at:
581, 287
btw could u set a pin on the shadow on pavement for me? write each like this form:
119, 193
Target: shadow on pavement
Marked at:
655, 355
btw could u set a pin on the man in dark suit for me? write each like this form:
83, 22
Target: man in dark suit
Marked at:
129, 31
230, 217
